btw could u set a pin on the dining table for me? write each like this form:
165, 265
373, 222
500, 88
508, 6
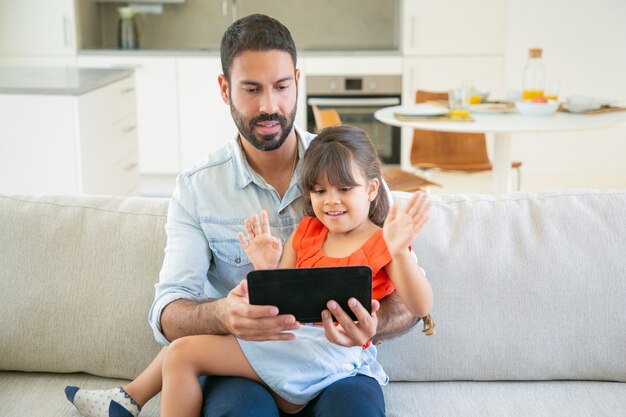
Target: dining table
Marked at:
500, 126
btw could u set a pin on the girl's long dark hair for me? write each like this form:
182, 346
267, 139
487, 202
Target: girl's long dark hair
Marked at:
331, 154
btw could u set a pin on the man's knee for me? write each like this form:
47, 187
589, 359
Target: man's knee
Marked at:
351, 397
232, 396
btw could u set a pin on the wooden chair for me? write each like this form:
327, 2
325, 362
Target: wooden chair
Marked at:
396, 178
325, 118
464, 152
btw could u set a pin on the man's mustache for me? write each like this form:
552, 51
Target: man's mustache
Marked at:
264, 117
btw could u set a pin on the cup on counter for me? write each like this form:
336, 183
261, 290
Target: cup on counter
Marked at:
477, 94
552, 90
459, 102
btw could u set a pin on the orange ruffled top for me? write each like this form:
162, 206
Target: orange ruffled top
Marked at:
310, 236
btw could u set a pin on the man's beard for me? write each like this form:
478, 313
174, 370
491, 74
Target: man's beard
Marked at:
264, 142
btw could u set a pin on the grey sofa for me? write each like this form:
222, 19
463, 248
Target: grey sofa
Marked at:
530, 304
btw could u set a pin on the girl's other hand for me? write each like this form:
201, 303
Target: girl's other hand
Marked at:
401, 226
348, 332
262, 248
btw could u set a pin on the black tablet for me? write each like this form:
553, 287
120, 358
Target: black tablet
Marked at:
304, 292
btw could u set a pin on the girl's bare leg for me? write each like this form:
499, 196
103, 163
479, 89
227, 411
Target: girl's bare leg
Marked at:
192, 356
149, 382
120, 400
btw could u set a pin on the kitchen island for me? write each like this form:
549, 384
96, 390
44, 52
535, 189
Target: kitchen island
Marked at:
68, 130
57, 80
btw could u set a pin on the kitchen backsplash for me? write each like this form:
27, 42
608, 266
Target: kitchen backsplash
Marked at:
199, 24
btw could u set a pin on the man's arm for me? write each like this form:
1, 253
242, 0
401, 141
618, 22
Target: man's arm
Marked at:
394, 318
230, 315
187, 317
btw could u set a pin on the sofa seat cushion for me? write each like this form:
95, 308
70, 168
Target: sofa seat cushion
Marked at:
42, 395
510, 399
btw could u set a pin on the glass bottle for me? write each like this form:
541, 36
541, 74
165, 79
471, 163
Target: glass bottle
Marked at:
127, 37
534, 75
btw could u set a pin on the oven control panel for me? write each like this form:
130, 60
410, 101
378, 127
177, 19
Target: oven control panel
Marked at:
354, 85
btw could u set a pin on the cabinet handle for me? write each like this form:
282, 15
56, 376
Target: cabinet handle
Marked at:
128, 90
66, 27
412, 32
130, 166
125, 66
129, 129
411, 84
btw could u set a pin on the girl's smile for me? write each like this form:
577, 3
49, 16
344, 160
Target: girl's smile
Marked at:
344, 209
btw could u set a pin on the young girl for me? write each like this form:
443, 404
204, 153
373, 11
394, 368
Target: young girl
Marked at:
345, 212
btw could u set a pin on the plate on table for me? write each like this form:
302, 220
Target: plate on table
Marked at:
492, 108
421, 110
580, 109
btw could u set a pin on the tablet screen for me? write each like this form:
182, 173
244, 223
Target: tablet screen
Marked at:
304, 292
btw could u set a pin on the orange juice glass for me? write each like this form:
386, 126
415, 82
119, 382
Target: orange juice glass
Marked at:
458, 100
552, 90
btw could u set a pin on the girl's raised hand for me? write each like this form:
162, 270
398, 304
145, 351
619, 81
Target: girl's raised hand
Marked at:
401, 226
262, 248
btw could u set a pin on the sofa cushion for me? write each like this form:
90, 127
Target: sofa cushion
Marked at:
527, 286
78, 277
42, 394
499, 399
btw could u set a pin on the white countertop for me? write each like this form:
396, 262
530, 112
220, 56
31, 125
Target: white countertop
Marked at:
57, 80
216, 52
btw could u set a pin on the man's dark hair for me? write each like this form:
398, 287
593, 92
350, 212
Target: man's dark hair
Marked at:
256, 32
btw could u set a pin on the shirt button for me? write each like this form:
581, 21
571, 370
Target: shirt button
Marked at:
238, 260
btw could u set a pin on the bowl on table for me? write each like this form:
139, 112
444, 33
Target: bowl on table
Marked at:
531, 108
581, 104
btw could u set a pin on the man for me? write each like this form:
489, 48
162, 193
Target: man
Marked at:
201, 289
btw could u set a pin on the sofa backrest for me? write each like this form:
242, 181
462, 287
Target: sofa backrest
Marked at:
78, 275
527, 286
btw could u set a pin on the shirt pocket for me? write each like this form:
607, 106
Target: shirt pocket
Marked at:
229, 251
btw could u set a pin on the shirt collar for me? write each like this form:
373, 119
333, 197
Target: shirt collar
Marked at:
244, 174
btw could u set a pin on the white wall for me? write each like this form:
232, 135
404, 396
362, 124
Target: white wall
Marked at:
584, 44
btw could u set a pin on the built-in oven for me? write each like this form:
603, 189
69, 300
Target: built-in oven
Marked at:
356, 98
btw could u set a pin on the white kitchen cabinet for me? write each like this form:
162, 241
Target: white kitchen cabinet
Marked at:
453, 27
205, 122
37, 27
64, 143
157, 108
351, 64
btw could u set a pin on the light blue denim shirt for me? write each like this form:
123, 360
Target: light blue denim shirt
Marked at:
203, 256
